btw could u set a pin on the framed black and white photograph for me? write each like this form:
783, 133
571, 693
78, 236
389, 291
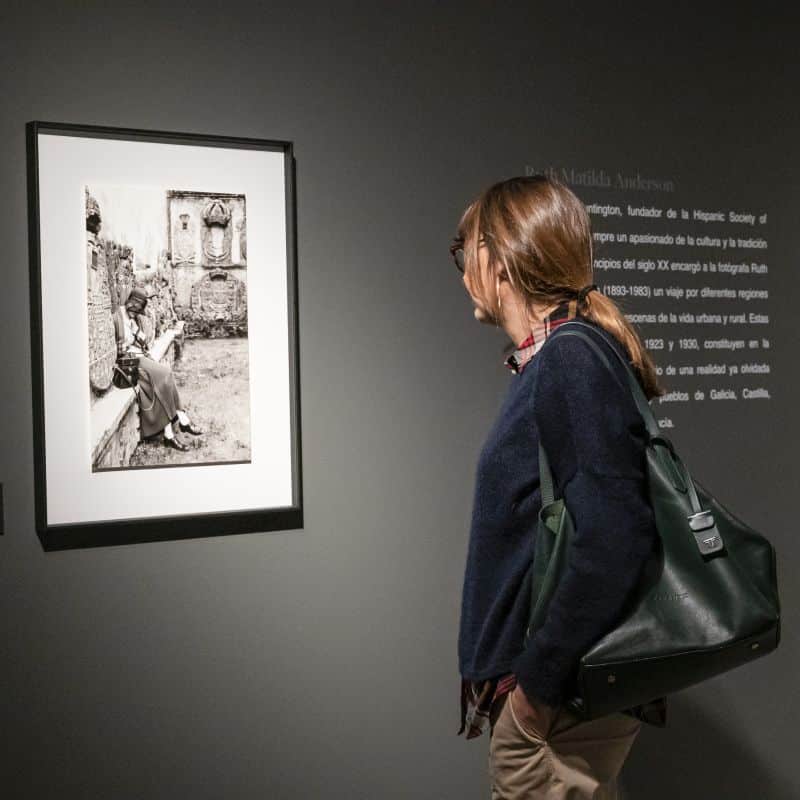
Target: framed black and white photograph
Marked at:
164, 334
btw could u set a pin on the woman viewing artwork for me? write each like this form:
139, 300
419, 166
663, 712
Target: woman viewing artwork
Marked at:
524, 251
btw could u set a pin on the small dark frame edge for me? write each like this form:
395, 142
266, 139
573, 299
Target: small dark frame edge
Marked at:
188, 526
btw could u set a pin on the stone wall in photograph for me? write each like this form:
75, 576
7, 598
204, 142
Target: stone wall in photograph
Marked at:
110, 276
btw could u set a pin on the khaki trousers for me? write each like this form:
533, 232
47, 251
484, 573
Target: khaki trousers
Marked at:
574, 760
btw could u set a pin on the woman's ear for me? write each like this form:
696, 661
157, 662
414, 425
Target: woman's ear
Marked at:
504, 275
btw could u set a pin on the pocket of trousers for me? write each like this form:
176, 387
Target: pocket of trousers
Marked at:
527, 730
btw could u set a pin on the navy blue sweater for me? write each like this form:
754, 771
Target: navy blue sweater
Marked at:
595, 439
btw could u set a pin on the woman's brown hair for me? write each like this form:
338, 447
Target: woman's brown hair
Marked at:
539, 235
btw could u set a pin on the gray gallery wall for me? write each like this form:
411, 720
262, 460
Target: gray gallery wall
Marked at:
321, 663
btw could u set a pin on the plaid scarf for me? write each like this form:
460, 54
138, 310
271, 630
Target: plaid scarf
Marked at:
530, 346
477, 699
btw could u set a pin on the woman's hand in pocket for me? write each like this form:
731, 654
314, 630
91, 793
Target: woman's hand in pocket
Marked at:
535, 717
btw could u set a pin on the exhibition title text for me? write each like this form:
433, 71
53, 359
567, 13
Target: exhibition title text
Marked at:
600, 178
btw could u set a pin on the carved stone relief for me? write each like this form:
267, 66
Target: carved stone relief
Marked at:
183, 240
217, 234
102, 341
242, 228
218, 306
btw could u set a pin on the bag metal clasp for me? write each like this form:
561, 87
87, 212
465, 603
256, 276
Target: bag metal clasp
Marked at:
705, 532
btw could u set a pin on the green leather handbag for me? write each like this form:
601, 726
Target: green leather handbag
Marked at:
707, 601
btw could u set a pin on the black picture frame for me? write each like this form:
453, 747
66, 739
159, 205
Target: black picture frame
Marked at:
134, 530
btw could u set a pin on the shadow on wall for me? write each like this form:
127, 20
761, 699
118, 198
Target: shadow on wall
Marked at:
703, 761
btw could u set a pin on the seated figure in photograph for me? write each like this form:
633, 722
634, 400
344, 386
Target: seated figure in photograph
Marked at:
159, 403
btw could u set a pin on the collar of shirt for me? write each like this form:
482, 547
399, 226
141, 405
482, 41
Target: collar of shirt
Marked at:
531, 345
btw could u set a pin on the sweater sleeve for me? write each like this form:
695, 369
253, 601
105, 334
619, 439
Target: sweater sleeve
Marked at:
594, 437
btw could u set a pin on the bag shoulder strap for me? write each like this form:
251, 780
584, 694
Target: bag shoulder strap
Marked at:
639, 397
545, 474
679, 475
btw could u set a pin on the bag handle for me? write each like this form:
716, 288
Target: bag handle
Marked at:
681, 479
545, 474
545, 477
638, 394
